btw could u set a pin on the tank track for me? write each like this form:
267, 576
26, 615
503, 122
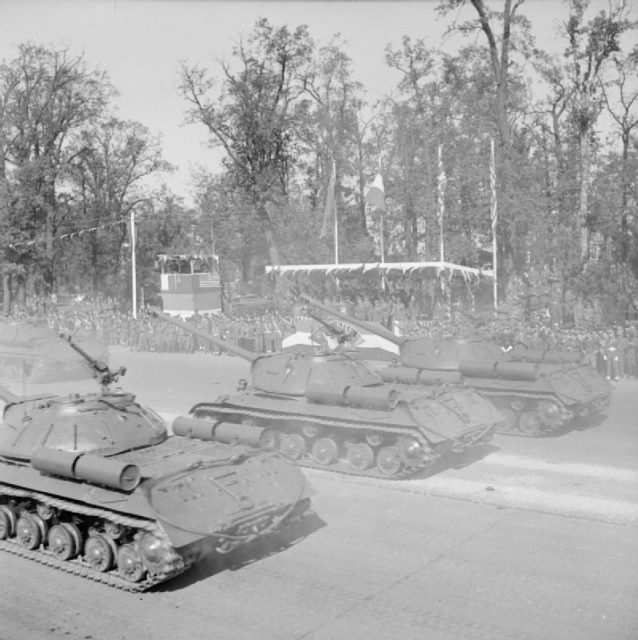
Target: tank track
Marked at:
543, 428
77, 566
213, 411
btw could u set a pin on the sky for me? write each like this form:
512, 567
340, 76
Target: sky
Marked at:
140, 43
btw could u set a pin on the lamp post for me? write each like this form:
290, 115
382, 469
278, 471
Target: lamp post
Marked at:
133, 268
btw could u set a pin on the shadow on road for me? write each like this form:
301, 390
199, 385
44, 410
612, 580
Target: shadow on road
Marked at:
273, 543
454, 460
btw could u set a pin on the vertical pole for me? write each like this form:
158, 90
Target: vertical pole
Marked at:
382, 239
441, 202
494, 215
334, 205
133, 266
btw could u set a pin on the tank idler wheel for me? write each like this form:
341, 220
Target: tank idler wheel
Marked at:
99, 552
325, 451
129, 563
30, 530
529, 423
360, 456
7, 521
64, 541
292, 445
389, 461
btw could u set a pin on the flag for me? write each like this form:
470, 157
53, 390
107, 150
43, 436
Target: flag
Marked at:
375, 196
330, 208
493, 186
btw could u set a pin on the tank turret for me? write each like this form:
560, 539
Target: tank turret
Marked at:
93, 484
331, 410
537, 391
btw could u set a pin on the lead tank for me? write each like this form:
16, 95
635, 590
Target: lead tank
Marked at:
536, 391
94, 485
332, 411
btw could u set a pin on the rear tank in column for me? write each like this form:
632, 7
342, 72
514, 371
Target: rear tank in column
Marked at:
537, 392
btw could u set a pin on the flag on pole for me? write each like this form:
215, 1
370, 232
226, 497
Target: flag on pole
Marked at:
330, 208
494, 213
375, 195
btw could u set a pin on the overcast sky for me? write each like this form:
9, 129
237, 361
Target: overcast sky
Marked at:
139, 44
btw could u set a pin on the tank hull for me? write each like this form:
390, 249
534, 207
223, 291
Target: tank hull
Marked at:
538, 392
93, 485
440, 421
331, 410
532, 408
197, 498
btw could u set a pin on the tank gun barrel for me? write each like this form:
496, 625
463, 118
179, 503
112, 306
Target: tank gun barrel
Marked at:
372, 327
250, 356
101, 371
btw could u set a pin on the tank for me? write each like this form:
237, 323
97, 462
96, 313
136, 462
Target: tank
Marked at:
537, 392
329, 410
93, 485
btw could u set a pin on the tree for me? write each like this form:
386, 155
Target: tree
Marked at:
336, 131
591, 46
47, 95
499, 50
621, 98
111, 162
255, 114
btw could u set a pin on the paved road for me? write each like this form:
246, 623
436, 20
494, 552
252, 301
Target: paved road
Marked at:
536, 539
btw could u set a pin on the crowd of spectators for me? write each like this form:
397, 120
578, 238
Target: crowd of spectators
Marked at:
612, 350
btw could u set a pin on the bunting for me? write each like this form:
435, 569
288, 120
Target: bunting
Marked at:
66, 236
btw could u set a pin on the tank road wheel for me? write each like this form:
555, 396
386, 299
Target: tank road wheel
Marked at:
325, 451
510, 422
129, 563
7, 521
98, 552
389, 461
550, 413
269, 440
64, 541
30, 530
292, 445
529, 424
360, 456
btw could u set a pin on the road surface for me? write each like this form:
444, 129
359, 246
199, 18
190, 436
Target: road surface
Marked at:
534, 539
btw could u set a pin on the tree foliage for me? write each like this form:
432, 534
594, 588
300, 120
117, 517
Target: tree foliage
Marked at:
70, 172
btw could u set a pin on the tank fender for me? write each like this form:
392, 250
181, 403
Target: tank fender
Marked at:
226, 432
410, 375
504, 370
85, 466
353, 396
551, 356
